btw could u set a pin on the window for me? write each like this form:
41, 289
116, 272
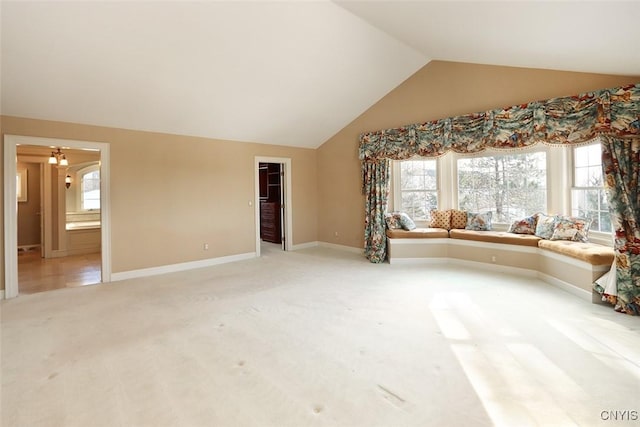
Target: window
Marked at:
418, 189
90, 193
511, 186
588, 195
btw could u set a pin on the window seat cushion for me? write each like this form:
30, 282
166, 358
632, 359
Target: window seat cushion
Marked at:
496, 237
418, 233
592, 253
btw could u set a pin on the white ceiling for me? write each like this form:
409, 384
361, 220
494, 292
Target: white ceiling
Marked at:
287, 72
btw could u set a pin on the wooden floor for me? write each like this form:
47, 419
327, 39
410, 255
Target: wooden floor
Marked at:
36, 274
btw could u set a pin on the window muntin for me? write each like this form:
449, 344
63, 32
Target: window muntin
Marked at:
588, 195
90, 190
511, 186
418, 188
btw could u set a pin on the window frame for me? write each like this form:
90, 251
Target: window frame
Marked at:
79, 194
597, 236
396, 187
550, 173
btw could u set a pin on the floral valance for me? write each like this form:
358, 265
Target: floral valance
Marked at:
566, 120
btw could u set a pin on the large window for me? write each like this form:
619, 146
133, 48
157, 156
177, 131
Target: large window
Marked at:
90, 189
418, 188
588, 196
511, 186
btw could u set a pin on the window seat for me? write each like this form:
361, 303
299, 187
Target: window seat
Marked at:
495, 237
418, 233
572, 266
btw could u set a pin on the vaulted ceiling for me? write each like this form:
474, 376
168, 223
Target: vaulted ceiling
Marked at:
277, 72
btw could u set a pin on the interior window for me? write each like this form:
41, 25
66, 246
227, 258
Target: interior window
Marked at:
511, 186
418, 189
90, 194
588, 195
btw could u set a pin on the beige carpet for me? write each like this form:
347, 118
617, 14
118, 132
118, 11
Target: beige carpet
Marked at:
317, 337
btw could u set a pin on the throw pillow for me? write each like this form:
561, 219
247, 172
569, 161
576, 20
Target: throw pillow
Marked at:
393, 221
458, 218
479, 221
525, 225
571, 228
406, 222
440, 219
545, 225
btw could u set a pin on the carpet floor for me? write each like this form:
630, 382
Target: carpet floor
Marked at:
318, 337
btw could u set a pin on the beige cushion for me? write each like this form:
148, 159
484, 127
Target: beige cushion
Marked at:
440, 219
418, 233
592, 253
495, 237
458, 218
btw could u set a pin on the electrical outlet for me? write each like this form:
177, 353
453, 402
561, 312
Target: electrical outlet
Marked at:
206, 247
335, 234
493, 258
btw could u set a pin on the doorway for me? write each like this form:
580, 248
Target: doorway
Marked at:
272, 202
54, 242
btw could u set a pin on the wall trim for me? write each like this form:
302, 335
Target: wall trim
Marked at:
10, 203
585, 295
304, 246
417, 261
494, 267
173, 268
344, 248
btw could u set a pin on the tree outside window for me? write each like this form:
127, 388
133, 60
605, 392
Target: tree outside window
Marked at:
510, 186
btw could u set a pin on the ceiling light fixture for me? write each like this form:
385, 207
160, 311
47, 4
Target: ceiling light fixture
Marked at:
58, 158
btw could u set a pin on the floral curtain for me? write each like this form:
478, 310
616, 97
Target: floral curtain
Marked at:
566, 120
376, 188
621, 169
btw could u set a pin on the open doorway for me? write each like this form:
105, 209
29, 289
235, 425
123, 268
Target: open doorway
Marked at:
58, 218
272, 203
73, 241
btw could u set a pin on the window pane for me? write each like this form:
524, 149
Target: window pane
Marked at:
90, 195
418, 188
510, 186
590, 201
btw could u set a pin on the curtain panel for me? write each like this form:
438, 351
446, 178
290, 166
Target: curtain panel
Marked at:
621, 169
566, 120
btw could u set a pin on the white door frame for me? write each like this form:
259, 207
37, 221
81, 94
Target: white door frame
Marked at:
288, 222
11, 204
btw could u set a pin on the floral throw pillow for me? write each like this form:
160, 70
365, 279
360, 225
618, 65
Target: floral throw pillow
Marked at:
479, 221
458, 218
525, 225
392, 220
571, 228
545, 225
440, 219
406, 222
397, 220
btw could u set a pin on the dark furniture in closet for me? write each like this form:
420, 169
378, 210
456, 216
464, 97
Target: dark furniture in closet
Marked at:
270, 191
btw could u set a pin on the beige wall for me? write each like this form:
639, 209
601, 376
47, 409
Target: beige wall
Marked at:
171, 194
29, 211
440, 89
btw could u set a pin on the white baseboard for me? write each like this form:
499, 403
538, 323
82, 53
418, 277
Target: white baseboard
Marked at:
172, 268
303, 246
351, 249
409, 261
495, 267
585, 295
